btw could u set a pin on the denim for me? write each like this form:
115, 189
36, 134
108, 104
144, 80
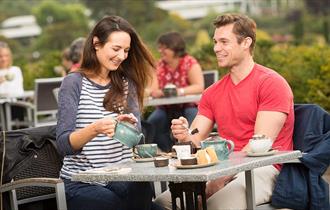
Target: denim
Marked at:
114, 196
161, 119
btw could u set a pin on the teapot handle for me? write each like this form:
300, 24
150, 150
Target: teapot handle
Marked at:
232, 146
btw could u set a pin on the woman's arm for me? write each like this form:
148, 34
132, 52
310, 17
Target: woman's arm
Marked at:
196, 81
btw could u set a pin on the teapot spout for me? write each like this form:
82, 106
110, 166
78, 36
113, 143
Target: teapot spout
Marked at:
142, 137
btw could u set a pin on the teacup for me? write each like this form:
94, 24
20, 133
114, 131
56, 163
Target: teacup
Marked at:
220, 146
260, 145
170, 90
9, 76
182, 151
127, 134
145, 150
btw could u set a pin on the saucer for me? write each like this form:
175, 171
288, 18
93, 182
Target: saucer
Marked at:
179, 166
142, 160
259, 154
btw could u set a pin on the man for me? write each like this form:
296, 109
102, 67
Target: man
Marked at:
250, 99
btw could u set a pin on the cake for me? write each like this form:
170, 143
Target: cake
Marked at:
206, 156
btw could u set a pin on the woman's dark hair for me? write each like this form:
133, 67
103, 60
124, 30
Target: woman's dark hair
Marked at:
173, 41
76, 50
137, 67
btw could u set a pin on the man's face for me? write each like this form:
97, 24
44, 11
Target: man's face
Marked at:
228, 52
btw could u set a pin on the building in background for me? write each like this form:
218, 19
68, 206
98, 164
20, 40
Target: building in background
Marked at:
197, 9
20, 27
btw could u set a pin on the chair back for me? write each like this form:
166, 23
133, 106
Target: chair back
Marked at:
31, 153
210, 77
45, 101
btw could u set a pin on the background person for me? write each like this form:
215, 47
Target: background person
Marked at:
75, 53
250, 99
111, 82
11, 78
178, 68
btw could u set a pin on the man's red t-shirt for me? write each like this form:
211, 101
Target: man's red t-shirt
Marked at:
234, 107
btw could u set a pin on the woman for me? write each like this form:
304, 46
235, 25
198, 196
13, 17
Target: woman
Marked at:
11, 79
111, 81
178, 68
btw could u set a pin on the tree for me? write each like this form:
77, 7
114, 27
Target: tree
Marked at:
321, 8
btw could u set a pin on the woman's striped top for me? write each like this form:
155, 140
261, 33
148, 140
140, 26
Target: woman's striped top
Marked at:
101, 150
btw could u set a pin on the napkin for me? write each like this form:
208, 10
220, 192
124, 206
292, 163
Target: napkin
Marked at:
108, 170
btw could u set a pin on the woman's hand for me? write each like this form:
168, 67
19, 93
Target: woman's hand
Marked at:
130, 118
157, 93
105, 126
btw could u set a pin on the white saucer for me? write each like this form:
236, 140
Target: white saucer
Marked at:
258, 154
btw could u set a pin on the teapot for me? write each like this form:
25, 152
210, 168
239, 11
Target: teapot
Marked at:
127, 134
220, 145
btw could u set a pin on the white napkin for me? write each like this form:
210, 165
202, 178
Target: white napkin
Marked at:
108, 170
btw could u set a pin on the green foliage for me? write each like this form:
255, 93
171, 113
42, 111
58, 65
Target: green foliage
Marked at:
319, 91
61, 24
298, 65
43, 68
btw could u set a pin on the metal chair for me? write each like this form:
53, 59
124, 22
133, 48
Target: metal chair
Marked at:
23, 106
45, 101
210, 77
34, 175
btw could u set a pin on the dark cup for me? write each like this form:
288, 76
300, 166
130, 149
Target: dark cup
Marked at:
161, 161
188, 161
170, 92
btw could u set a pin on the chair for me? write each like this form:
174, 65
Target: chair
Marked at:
293, 188
31, 167
210, 77
45, 101
26, 109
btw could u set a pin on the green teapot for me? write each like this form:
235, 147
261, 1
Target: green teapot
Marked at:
127, 134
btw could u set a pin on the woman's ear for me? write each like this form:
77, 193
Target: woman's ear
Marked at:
96, 42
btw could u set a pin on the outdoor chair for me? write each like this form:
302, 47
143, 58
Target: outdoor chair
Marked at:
210, 77
293, 186
26, 109
30, 167
45, 101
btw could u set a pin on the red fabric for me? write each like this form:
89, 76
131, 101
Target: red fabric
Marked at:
234, 107
178, 76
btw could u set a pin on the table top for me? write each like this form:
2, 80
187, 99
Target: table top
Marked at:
172, 100
26, 94
237, 162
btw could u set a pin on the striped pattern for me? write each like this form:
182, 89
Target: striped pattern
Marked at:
101, 150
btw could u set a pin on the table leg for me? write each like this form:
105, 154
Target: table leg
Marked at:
2, 117
190, 191
250, 194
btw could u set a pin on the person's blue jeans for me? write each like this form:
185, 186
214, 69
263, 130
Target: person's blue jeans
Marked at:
161, 119
114, 196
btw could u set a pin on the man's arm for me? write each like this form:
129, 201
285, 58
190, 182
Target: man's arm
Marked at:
202, 123
268, 123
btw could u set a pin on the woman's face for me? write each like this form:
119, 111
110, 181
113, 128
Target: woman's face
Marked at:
115, 50
5, 58
166, 53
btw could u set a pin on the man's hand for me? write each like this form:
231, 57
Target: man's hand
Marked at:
179, 129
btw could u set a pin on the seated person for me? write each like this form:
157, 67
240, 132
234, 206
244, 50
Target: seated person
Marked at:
178, 68
11, 79
250, 99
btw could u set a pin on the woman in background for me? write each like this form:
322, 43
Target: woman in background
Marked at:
11, 79
109, 84
181, 69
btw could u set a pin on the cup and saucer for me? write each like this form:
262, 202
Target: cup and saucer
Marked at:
260, 146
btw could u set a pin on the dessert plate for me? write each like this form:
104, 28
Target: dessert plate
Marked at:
142, 160
259, 154
179, 166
